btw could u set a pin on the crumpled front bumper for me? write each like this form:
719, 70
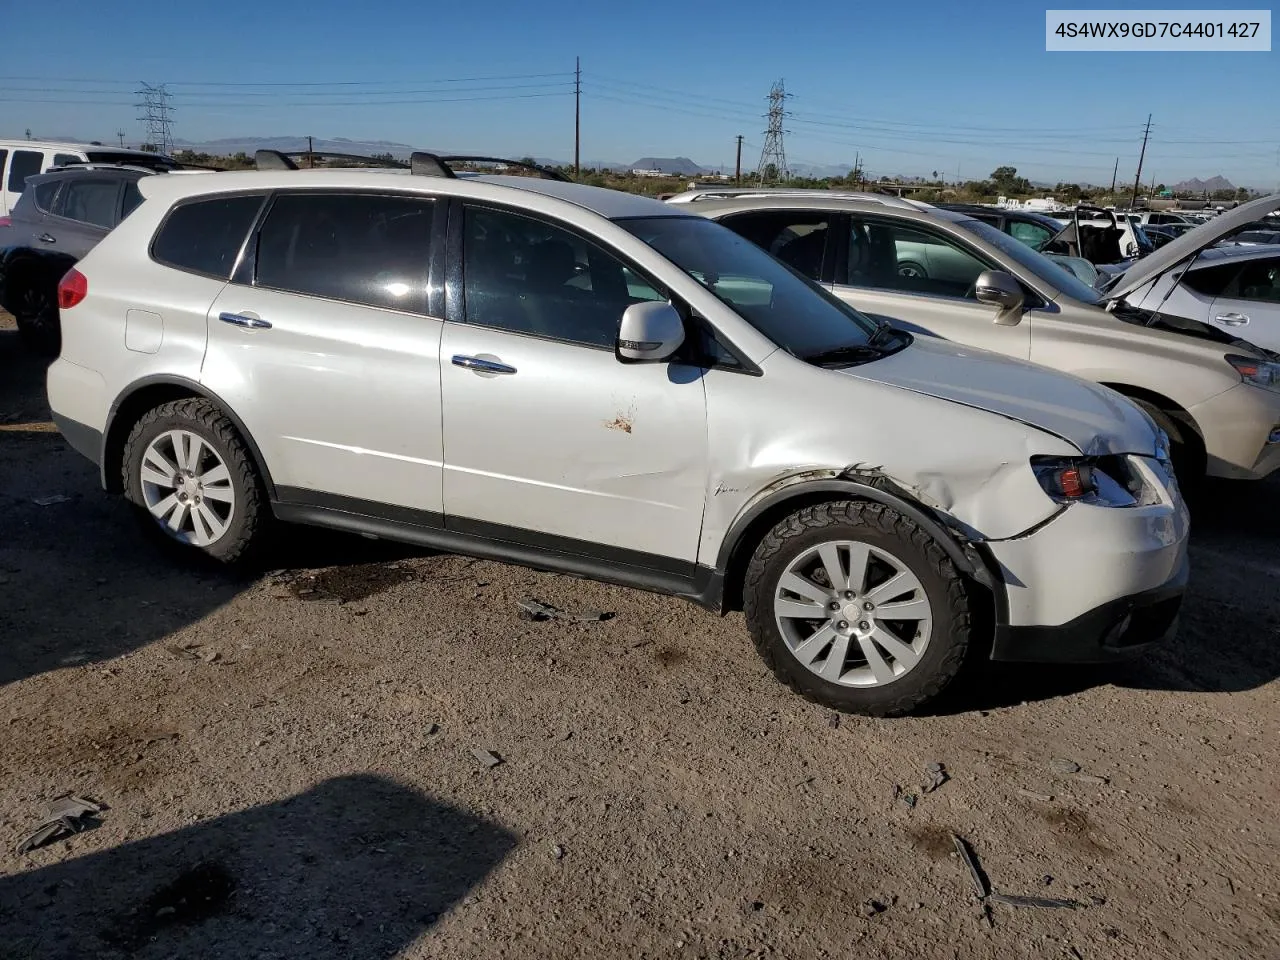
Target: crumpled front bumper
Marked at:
1095, 583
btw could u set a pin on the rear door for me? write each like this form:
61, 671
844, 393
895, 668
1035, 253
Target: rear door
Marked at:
924, 280
86, 209
326, 343
1249, 307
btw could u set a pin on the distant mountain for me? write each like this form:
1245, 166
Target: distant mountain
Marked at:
678, 166
1196, 185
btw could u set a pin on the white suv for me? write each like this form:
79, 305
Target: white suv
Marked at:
591, 382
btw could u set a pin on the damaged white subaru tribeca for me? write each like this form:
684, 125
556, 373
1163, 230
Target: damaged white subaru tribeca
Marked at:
585, 381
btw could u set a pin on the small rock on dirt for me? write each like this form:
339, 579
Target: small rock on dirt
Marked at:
936, 776
557, 851
486, 757
872, 907
1063, 766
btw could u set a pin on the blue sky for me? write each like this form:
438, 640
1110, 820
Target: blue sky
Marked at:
914, 88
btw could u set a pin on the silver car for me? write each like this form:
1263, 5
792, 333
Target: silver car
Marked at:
1217, 395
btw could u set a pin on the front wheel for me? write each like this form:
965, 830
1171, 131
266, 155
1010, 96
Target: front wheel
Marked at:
856, 607
35, 308
193, 483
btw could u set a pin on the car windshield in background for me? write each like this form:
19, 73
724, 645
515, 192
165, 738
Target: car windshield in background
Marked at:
793, 312
157, 162
1037, 263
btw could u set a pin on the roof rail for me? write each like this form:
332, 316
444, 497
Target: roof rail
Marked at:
101, 165
435, 165
732, 193
421, 163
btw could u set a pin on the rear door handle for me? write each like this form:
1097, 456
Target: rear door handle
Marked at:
481, 365
244, 320
1232, 319
47, 238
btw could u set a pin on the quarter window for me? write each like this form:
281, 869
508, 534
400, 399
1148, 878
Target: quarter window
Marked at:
45, 193
89, 200
205, 236
899, 257
368, 249
528, 276
132, 197
26, 163
62, 159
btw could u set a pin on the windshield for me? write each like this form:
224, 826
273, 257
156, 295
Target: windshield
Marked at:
1036, 263
793, 312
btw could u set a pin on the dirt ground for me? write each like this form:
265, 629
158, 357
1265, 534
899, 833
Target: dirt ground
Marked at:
287, 768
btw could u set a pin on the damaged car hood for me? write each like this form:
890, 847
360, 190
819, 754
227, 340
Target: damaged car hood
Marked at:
1095, 419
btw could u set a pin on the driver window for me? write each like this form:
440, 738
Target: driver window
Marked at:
529, 276
894, 256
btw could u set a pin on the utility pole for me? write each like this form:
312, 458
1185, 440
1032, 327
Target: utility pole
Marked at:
774, 153
1114, 171
577, 115
857, 168
737, 166
1137, 180
311, 157
120, 134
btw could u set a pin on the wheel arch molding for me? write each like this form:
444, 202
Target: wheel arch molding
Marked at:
147, 393
760, 515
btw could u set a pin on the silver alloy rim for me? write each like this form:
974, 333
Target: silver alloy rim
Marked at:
187, 488
852, 613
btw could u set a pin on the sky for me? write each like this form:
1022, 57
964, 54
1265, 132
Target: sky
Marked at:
913, 89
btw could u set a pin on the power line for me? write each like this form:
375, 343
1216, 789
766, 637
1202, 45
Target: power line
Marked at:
298, 83
326, 103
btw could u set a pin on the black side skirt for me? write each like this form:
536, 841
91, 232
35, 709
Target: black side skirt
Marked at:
529, 548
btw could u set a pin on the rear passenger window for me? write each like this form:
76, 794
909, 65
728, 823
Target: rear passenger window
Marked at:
26, 163
205, 236
796, 237
89, 200
362, 248
1211, 281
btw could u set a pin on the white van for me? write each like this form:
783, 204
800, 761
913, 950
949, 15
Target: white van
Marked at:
20, 159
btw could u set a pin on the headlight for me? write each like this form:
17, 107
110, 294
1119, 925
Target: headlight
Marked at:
1261, 373
1102, 481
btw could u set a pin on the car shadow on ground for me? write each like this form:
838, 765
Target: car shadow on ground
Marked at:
355, 868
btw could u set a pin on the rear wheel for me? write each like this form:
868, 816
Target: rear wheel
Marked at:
856, 607
193, 483
35, 306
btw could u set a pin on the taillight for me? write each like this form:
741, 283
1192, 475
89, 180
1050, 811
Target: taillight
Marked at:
72, 289
6, 221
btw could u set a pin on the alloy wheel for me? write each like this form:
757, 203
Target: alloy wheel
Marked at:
187, 487
853, 613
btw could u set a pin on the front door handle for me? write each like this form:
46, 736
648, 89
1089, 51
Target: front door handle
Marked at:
1232, 319
47, 238
481, 365
244, 320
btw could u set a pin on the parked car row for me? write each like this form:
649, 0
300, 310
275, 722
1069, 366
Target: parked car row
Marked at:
818, 409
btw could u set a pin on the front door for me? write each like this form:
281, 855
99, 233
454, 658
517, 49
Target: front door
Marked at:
549, 440
331, 355
924, 282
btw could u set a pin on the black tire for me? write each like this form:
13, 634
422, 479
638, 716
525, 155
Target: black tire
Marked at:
910, 268
881, 526
1185, 450
34, 304
246, 532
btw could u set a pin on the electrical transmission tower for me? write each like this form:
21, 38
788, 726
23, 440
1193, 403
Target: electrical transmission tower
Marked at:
156, 117
774, 153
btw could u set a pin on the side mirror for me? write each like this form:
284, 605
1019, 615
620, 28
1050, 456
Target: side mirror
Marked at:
1000, 289
649, 332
